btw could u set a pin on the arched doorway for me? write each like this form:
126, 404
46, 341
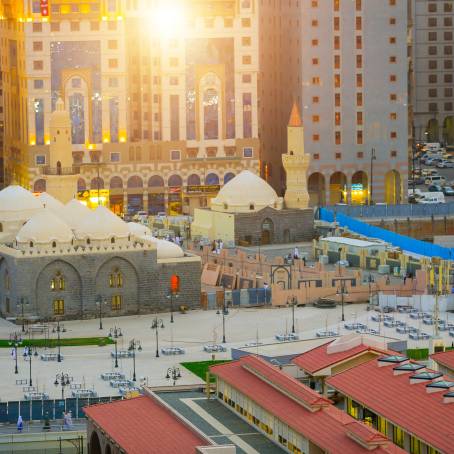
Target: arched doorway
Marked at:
359, 189
316, 189
193, 180
337, 188
97, 183
156, 195
95, 445
267, 231
81, 185
135, 194
392, 187
228, 176
432, 130
116, 195
175, 183
448, 130
211, 179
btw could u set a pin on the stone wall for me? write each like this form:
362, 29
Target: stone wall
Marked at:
144, 285
289, 226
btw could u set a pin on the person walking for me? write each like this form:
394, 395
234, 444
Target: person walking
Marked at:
20, 424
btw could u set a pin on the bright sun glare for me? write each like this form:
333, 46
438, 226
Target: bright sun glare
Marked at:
169, 18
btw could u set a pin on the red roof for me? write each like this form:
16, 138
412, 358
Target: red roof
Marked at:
318, 358
444, 358
406, 405
287, 399
138, 423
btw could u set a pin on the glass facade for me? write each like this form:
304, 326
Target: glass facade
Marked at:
39, 121
211, 114
247, 115
113, 119
77, 115
202, 53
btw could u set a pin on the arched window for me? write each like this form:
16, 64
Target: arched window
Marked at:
155, 181
175, 181
39, 185
112, 240
194, 180
31, 243
211, 114
116, 183
1, 227
115, 279
54, 244
81, 185
135, 182
228, 176
212, 179
97, 183
57, 283
88, 241
251, 206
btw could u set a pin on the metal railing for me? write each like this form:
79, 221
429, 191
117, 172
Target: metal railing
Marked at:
47, 170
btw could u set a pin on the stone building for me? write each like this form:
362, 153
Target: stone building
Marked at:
67, 262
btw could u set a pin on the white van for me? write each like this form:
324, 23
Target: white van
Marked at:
435, 179
432, 147
432, 197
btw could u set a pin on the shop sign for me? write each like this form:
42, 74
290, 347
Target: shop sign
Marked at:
210, 188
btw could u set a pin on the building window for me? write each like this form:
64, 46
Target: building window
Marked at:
338, 155
393, 153
175, 155
173, 62
248, 152
337, 137
75, 26
398, 436
116, 302
392, 59
115, 279
393, 116
337, 118
111, 25
393, 97
174, 117
359, 118
247, 115
337, 100
359, 137
173, 80
393, 135
245, 22
113, 63
315, 99
59, 307
38, 107
392, 78
359, 42
358, 23
360, 154
433, 64
315, 118
315, 137
246, 78
359, 99
40, 159
246, 59
246, 41
115, 157
316, 81
38, 65
337, 61
112, 44
37, 27
314, 42
37, 46
38, 84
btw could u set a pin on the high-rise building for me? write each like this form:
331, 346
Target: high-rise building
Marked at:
434, 71
162, 95
345, 63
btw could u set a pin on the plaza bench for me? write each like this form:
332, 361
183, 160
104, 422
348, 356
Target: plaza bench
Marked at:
50, 357
112, 376
36, 396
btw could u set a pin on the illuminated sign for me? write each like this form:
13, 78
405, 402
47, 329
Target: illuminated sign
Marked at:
44, 8
203, 188
357, 187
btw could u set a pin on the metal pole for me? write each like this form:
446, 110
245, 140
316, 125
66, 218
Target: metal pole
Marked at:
342, 299
16, 371
58, 337
116, 354
157, 341
30, 359
293, 316
100, 315
171, 307
62, 390
134, 362
372, 157
223, 324
23, 315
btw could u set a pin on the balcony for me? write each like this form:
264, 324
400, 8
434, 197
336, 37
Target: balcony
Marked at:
47, 170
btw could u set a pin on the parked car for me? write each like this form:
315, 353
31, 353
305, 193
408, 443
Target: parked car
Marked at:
212, 348
448, 190
435, 188
435, 179
445, 164
427, 172
355, 326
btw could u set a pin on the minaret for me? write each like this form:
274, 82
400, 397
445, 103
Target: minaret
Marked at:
296, 162
60, 174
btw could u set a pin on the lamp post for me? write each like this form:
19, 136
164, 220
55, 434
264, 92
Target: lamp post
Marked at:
30, 355
293, 303
63, 380
15, 341
373, 157
225, 311
100, 303
115, 333
23, 302
170, 297
156, 324
342, 292
174, 374
58, 330
134, 345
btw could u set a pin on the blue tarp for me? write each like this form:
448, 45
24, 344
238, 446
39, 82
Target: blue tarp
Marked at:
406, 243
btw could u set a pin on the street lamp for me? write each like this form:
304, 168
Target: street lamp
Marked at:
156, 324
30, 355
174, 374
115, 333
23, 302
342, 291
293, 303
225, 311
134, 345
170, 297
100, 303
62, 380
15, 341
373, 157
58, 330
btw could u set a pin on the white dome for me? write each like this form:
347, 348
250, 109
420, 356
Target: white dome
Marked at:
17, 198
102, 224
138, 229
45, 227
73, 213
165, 249
50, 202
246, 192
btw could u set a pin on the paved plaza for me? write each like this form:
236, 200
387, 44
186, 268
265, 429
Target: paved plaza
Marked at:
190, 331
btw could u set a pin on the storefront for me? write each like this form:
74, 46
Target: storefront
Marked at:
198, 196
94, 197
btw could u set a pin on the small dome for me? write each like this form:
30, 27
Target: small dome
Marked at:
51, 202
102, 224
74, 213
17, 198
44, 227
138, 230
245, 192
168, 250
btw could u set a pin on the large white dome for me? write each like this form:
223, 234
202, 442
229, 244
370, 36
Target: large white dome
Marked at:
50, 202
102, 224
138, 229
45, 227
168, 250
74, 213
18, 199
246, 192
